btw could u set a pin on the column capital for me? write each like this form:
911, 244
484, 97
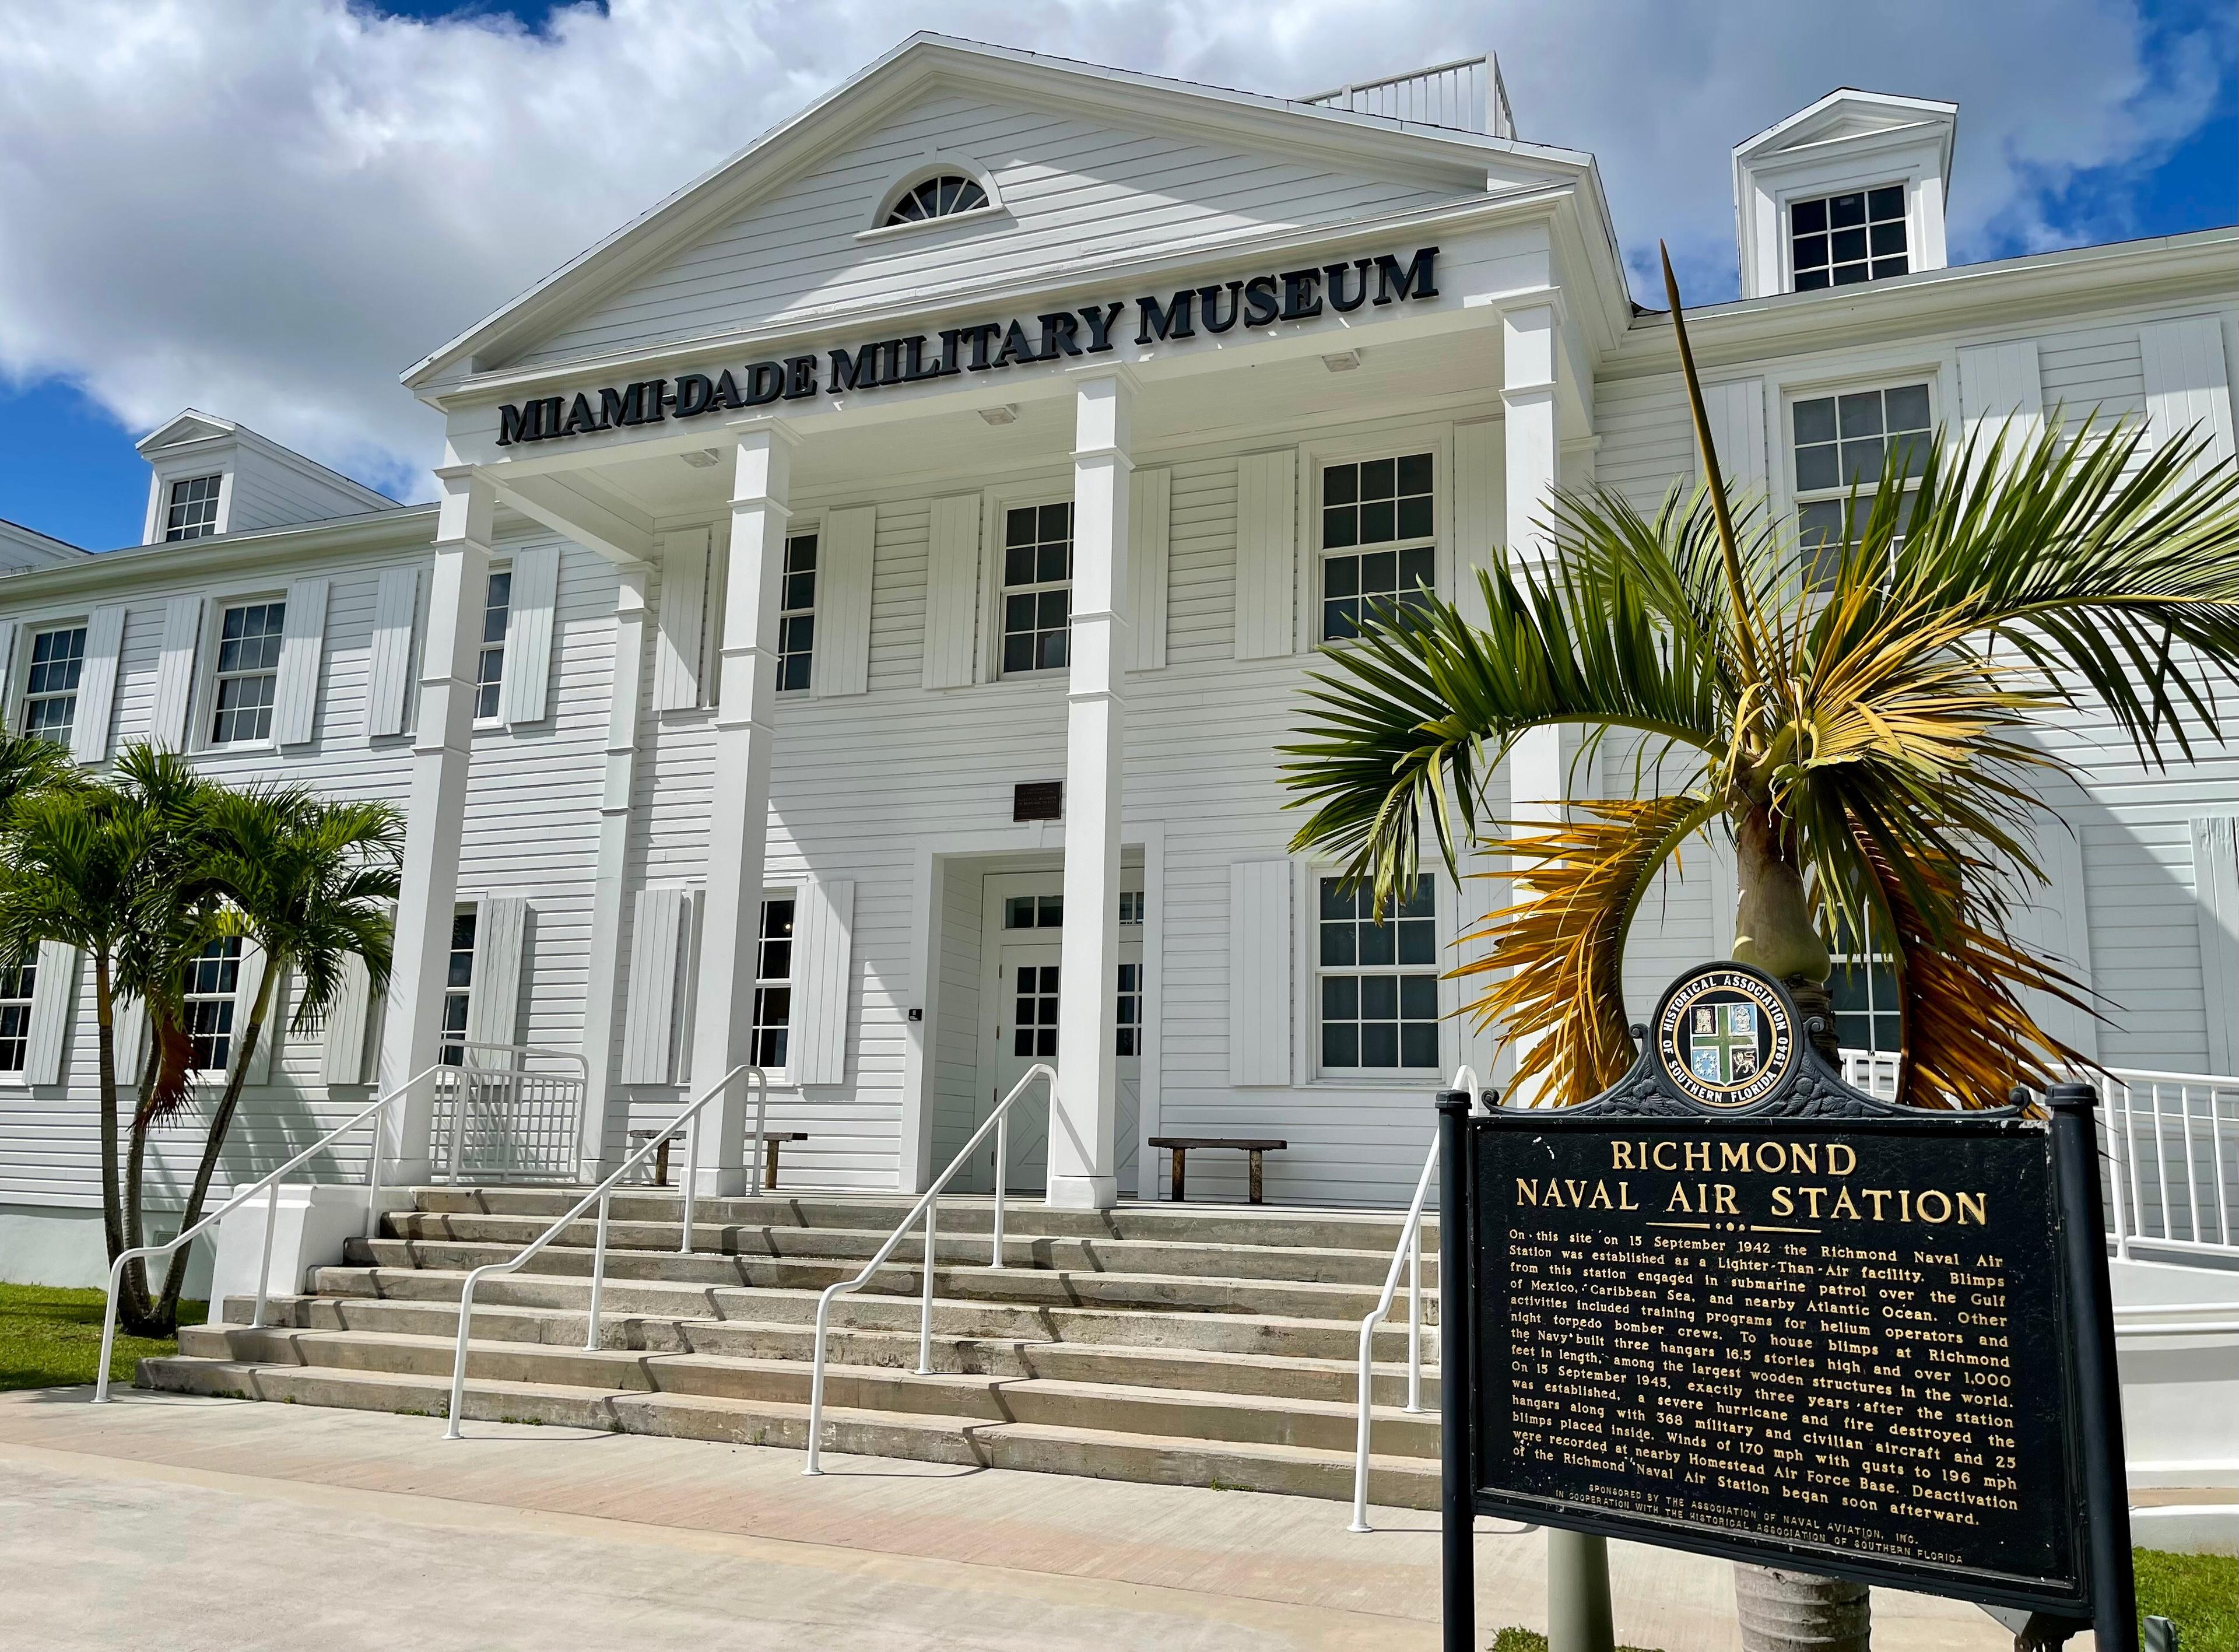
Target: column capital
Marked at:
770, 426
467, 509
1118, 372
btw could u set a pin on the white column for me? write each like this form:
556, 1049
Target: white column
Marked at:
435, 815
1083, 1121
599, 1003
1532, 456
739, 818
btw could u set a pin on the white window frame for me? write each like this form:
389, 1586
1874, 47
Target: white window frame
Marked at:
780, 1075
238, 1023
1790, 500
803, 527
1306, 998
471, 911
495, 719
28, 633
1909, 217
1381, 442
1864, 172
202, 733
24, 980
167, 502
914, 171
995, 505
1874, 1011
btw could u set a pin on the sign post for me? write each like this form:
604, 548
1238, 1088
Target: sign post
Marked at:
1735, 1307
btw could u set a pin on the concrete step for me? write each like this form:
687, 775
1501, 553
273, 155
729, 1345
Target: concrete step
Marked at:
1036, 1286
1096, 1401
1035, 1446
1176, 1254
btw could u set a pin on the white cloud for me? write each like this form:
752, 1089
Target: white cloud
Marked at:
268, 208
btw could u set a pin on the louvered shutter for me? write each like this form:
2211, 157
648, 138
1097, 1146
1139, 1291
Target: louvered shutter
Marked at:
494, 997
823, 978
246, 982
2187, 387
343, 1058
660, 926
1260, 972
302, 646
1736, 416
952, 592
2001, 395
1266, 554
54, 997
525, 693
97, 684
842, 662
128, 1035
175, 671
682, 620
389, 665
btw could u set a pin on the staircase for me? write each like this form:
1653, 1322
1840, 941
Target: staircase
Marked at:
1205, 1346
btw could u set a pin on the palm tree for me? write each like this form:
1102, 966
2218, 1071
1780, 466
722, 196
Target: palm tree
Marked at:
1863, 740
309, 882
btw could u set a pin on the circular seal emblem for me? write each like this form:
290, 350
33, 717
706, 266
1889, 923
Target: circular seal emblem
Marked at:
1726, 1035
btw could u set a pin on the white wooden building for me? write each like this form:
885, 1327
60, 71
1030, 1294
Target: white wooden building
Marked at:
869, 591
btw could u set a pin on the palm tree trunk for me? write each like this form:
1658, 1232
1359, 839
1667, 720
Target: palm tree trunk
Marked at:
104, 1016
174, 1280
1783, 1610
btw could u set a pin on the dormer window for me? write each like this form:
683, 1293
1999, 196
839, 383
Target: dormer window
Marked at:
1839, 240
193, 512
943, 196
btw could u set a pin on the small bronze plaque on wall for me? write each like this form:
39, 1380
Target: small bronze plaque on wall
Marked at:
1038, 800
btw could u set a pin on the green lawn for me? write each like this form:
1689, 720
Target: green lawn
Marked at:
50, 1337
2198, 1593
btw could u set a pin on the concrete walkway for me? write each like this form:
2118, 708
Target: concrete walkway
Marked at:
194, 1523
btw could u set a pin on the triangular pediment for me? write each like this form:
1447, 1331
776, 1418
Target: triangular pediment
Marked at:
188, 425
1848, 115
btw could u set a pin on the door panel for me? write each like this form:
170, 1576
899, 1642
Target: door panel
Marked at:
1026, 1032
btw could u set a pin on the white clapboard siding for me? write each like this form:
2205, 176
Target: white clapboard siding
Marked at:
842, 661
1735, 411
389, 665
1150, 535
96, 684
661, 927
822, 974
494, 994
2001, 394
1480, 496
1260, 972
2188, 387
342, 1056
525, 697
302, 645
951, 596
2216, 890
175, 671
683, 620
54, 997
2054, 925
1266, 554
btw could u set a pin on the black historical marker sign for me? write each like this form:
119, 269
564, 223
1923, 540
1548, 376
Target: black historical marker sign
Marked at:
1735, 1306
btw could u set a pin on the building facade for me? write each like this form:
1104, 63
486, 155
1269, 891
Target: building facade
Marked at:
869, 593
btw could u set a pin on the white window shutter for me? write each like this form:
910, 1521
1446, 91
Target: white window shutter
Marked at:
246, 982
2188, 385
2001, 395
823, 956
54, 995
342, 1061
97, 684
175, 671
303, 644
683, 620
129, 1037
1734, 412
2215, 889
389, 665
1150, 533
523, 697
493, 996
1266, 554
1260, 972
660, 924
842, 661
952, 591
2054, 926
1480, 494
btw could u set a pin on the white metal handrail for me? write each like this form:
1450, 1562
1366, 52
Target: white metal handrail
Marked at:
928, 1206
1410, 1248
602, 1196
269, 1184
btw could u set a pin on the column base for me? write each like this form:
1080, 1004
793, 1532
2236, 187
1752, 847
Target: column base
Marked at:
407, 1173
722, 1181
1081, 1192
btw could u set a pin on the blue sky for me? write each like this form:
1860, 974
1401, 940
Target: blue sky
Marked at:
348, 244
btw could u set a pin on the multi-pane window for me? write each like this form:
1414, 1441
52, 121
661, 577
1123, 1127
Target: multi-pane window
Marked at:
1378, 982
1839, 240
1376, 530
16, 1016
1863, 985
1841, 444
1033, 1011
1131, 907
1033, 912
1037, 586
489, 665
193, 513
211, 980
248, 672
458, 988
796, 616
1129, 1018
938, 197
51, 690
773, 983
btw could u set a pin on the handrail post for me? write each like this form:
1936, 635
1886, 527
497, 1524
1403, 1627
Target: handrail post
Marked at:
1002, 1170
108, 1328
264, 1263
2118, 1150
598, 1272
925, 1311
373, 1174
691, 1180
761, 1125
1415, 1320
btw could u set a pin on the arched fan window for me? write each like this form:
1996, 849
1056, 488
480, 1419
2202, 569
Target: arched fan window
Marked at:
941, 196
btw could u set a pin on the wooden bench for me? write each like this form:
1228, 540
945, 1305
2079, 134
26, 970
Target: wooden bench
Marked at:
770, 1140
1181, 1145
